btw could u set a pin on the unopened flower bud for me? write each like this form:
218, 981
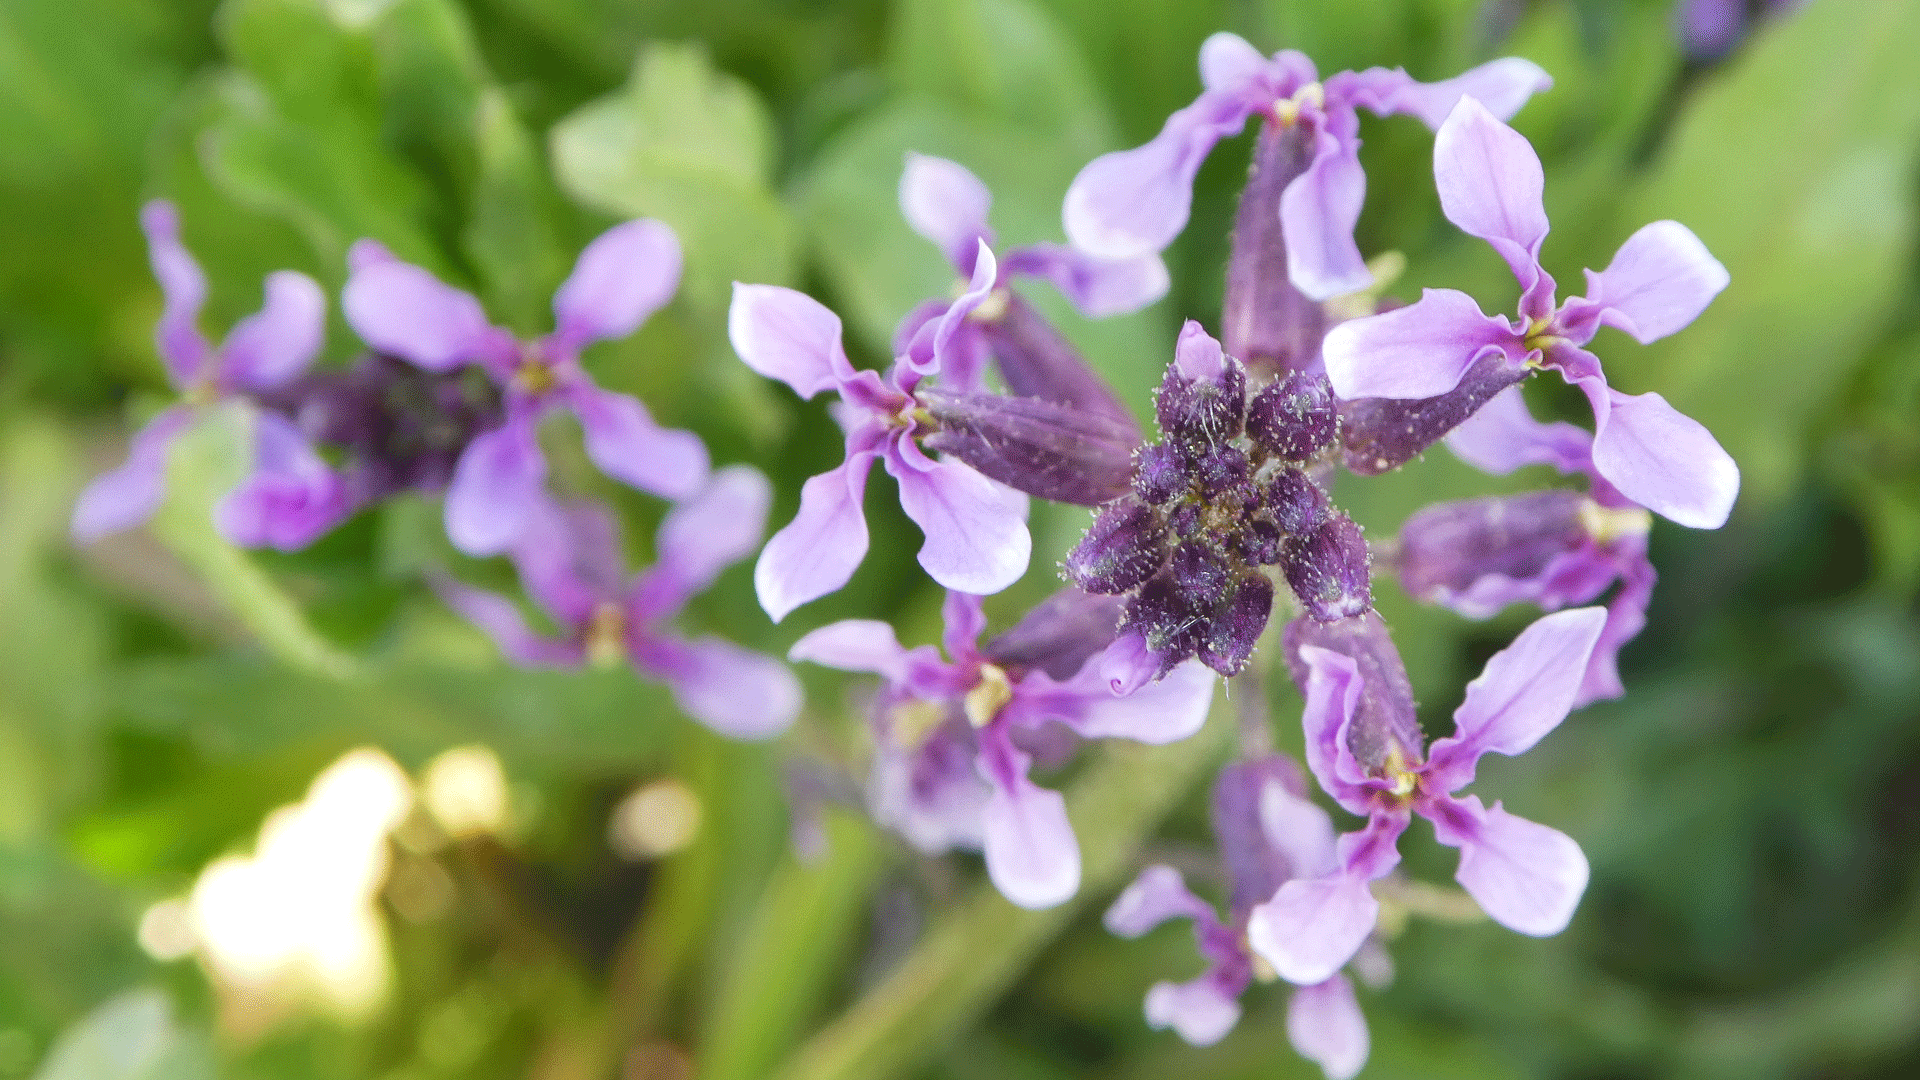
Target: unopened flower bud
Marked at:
1298, 505
1268, 322
1328, 569
1159, 474
1294, 417
1046, 449
1185, 521
1236, 624
1258, 542
1200, 575
1058, 635
1444, 549
1203, 398
1221, 469
1037, 362
1124, 547
1384, 433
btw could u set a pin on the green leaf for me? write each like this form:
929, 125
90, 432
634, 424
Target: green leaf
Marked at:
692, 146
1795, 169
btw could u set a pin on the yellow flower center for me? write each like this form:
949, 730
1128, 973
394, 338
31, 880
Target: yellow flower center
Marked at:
201, 394
535, 376
1287, 110
607, 636
1607, 524
1401, 779
913, 721
986, 699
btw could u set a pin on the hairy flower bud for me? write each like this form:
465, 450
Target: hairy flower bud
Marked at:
1385, 433
1267, 322
1328, 569
1384, 724
1159, 474
1222, 469
1202, 401
1126, 544
1444, 549
1045, 449
1236, 624
1298, 505
1293, 417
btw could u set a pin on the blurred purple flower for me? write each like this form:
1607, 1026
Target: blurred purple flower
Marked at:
1031, 853
622, 277
1524, 875
1490, 184
290, 496
570, 562
1550, 548
1709, 29
1269, 834
1134, 202
976, 529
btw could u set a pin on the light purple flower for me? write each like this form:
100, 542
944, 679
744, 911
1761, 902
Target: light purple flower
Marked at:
976, 529
1490, 184
1031, 853
290, 496
1711, 28
1524, 875
1550, 548
622, 277
570, 563
1269, 833
1133, 202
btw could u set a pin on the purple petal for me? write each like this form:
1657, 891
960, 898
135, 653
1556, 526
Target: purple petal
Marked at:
976, 530
1503, 436
402, 310
366, 252
183, 286
131, 493
1525, 690
501, 620
737, 692
1096, 287
625, 275
1160, 712
913, 321
1325, 1025
788, 335
1709, 28
1662, 459
1199, 1010
1158, 894
495, 488
948, 205
1228, 62
703, 536
1318, 211
1660, 280
1134, 202
1059, 634
569, 559
1501, 85
855, 645
963, 621
271, 346
1298, 830
1197, 354
1128, 663
1525, 876
931, 794
289, 499
952, 340
1490, 185
624, 441
820, 548
1332, 690
1312, 927
1032, 855
1626, 617
1418, 351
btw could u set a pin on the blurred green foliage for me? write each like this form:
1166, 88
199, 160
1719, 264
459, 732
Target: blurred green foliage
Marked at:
1749, 808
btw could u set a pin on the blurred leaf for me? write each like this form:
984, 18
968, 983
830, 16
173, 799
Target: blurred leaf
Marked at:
207, 462
132, 1037
1806, 195
692, 146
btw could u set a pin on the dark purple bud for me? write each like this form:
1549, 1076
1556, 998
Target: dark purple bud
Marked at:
1258, 543
1159, 474
1235, 626
1267, 322
1294, 417
1298, 505
1200, 575
1047, 450
1383, 433
1255, 867
1384, 722
1126, 544
1328, 569
1037, 362
1058, 635
1173, 629
1184, 520
1203, 412
1222, 469
1447, 547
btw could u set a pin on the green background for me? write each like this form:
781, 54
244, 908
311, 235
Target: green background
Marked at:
1750, 808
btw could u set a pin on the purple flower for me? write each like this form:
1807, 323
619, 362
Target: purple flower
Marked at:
1550, 548
1031, 852
1524, 875
570, 563
622, 277
1268, 834
976, 529
1133, 202
1710, 29
1490, 184
290, 496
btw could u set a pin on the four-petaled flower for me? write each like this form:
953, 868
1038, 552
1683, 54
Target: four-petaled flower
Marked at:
976, 529
570, 563
1490, 184
1031, 853
1131, 202
1524, 875
622, 277
290, 496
